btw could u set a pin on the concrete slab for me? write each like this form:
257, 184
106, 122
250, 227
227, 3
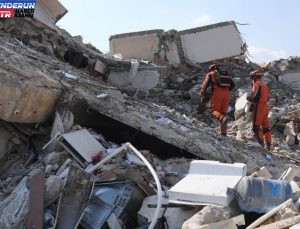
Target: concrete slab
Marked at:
26, 100
207, 183
144, 79
212, 42
100, 67
54, 9
292, 79
138, 45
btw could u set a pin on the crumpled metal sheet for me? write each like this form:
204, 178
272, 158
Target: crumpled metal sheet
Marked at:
74, 198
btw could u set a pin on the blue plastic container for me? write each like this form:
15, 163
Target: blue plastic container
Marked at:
261, 195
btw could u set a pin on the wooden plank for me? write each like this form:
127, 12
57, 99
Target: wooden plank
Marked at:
268, 214
282, 224
36, 201
289, 174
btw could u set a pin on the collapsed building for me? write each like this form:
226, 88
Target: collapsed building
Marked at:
198, 45
57, 95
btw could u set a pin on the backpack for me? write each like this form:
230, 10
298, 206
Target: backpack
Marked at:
223, 78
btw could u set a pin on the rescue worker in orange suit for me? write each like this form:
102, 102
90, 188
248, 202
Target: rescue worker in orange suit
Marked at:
259, 98
220, 84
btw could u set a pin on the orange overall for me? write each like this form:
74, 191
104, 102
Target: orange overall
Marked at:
261, 127
220, 97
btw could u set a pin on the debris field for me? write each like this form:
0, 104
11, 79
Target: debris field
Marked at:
116, 140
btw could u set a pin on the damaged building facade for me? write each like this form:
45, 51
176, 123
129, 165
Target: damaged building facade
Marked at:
121, 134
197, 45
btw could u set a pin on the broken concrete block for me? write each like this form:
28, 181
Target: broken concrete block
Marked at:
54, 9
209, 214
198, 47
296, 226
53, 188
67, 118
262, 172
240, 106
144, 79
272, 118
289, 129
49, 13
138, 45
78, 38
208, 182
100, 67
51, 168
57, 128
27, 100
64, 166
52, 158
174, 216
224, 224
291, 79
290, 140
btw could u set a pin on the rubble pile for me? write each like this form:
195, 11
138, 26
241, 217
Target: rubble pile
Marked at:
284, 113
72, 118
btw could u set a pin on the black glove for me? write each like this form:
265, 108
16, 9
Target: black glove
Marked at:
205, 98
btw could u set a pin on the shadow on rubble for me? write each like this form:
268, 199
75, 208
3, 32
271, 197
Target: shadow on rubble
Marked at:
118, 132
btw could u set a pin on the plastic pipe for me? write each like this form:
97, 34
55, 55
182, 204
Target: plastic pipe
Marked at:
159, 191
266, 216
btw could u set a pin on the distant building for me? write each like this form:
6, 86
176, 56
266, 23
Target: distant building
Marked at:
197, 45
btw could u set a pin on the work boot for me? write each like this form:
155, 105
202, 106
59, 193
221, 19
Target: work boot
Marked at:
261, 143
268, 146
224, 121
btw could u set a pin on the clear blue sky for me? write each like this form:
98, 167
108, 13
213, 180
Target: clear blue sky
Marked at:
273, 33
